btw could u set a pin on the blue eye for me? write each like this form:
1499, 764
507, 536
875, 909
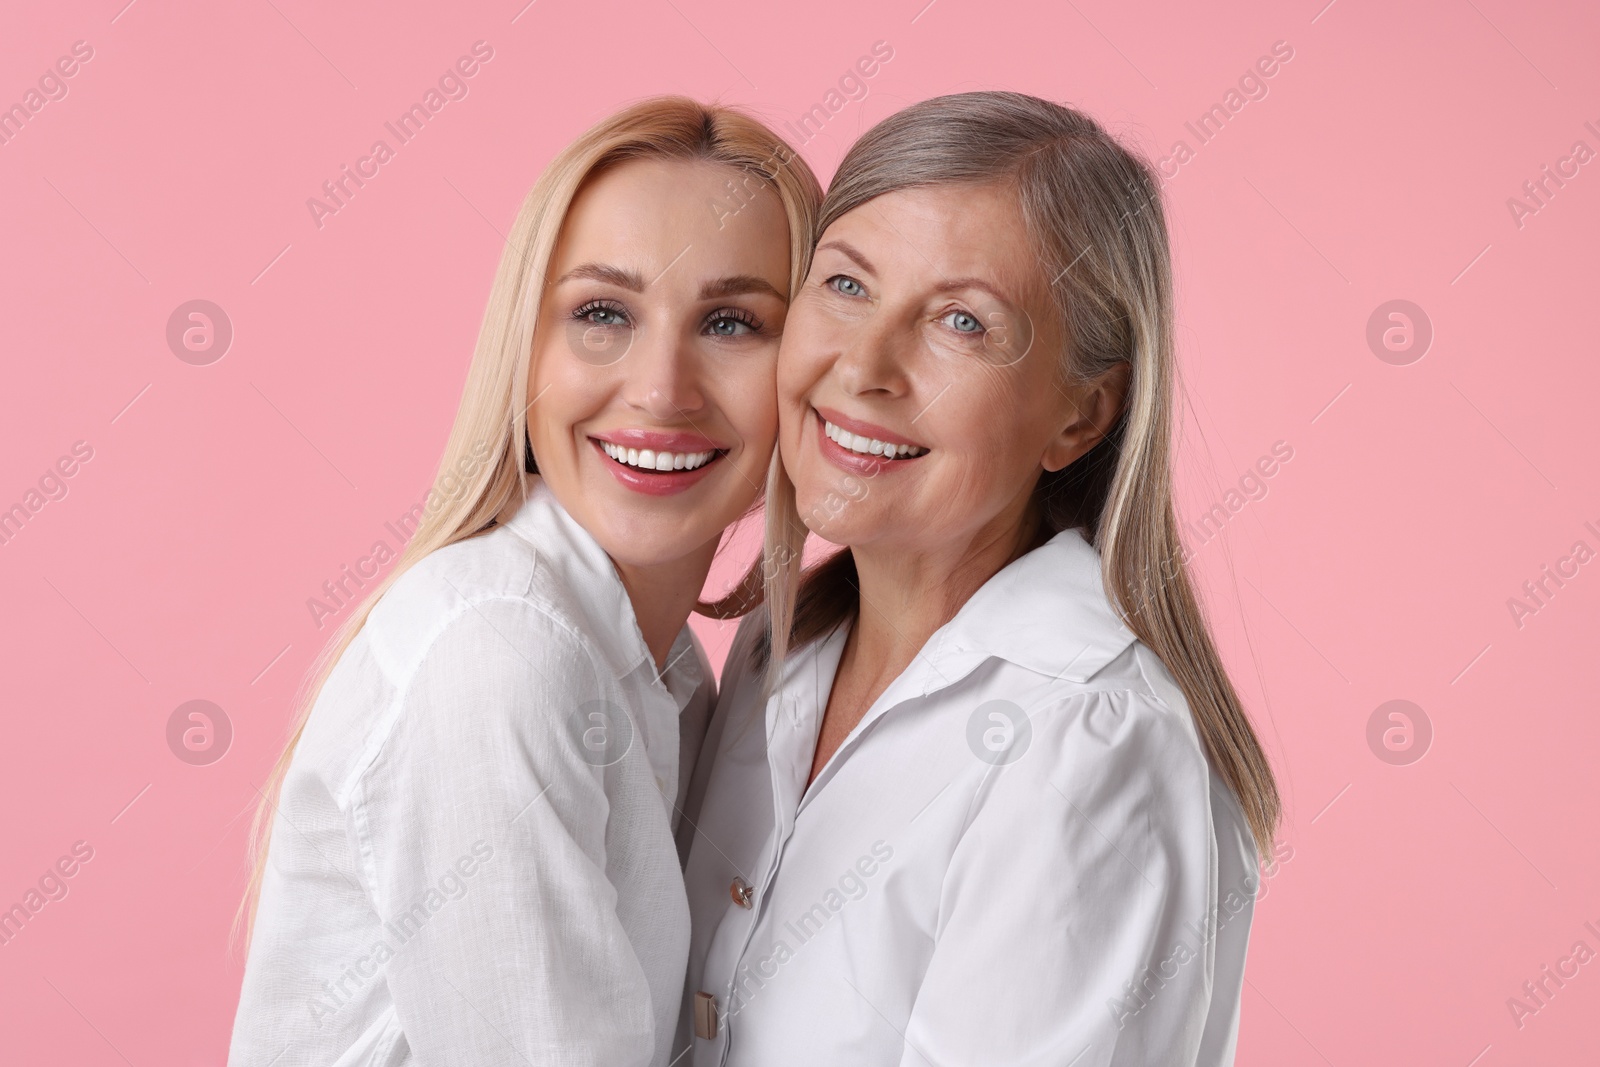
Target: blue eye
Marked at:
732, 322
843, 283
600, 313
963, 322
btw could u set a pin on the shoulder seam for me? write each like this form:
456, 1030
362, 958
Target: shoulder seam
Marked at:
402, 687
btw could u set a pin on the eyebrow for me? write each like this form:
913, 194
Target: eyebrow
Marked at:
600, 272
736, 285
951, 285
947, 285
851, 251
633, 281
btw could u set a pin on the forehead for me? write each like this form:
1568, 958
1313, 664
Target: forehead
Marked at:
633, 213
940, 232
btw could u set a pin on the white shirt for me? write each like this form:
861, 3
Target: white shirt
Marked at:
1019, 856
473, 858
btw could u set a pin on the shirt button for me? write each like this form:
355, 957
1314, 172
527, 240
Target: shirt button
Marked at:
742, 892
705, 1016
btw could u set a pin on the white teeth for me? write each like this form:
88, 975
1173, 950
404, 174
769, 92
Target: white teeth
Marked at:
652, 460
869, 446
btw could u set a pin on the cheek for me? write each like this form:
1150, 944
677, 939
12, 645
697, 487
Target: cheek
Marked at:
792, 379
808, 336
561, 392
791, 411
744, 391
991, 439
757, 428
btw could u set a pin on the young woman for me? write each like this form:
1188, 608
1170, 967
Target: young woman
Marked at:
471, 853
981, 790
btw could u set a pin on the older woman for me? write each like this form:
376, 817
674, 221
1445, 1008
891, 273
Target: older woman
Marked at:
978, 789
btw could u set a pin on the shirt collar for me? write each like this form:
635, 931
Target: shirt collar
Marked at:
585, 570
1046, 611
686, 670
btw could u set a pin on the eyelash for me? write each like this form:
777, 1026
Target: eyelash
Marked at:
963, 311
592, 306
829, 283
736, 315
739, 315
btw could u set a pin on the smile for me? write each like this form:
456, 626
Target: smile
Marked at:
656, 463
869, 446
649, 460
863, 448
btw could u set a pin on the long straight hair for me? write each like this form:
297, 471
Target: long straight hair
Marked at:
1093, 210
485, 458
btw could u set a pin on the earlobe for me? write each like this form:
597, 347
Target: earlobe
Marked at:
1065, 447
1094, 412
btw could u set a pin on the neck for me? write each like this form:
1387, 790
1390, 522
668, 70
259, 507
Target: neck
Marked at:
906, 597
663, 595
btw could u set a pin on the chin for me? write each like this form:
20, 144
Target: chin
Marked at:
650, 533
827, 514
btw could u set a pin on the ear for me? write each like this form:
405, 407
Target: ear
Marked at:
1091, 411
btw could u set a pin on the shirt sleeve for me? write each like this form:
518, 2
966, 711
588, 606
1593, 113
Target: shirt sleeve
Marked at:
1074, 915
482, 822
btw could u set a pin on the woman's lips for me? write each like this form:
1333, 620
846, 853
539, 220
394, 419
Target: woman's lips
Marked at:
865, 429
659, 440
866, 463
656, 464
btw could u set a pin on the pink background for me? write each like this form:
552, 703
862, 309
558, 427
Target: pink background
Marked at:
1378, 566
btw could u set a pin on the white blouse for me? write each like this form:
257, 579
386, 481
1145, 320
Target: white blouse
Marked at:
473, 859
1019, 856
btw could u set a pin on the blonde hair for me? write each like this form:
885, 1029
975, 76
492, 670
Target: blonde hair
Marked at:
482, 470
1094, 212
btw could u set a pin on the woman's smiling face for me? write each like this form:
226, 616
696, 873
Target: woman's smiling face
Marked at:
920, 387
652, 407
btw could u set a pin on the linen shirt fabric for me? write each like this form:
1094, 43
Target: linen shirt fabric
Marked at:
1020, 855
473, 860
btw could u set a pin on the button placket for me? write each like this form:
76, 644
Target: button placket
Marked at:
755, 911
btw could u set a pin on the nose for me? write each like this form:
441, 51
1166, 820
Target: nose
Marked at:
872, 357
663, 375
